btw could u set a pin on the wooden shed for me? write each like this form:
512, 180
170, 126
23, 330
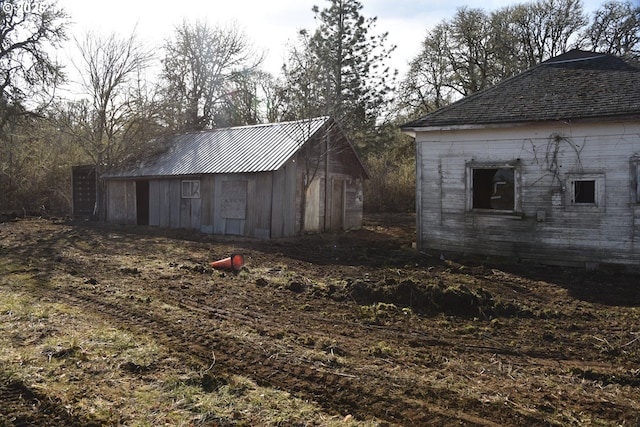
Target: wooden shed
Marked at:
266, 181
544, 166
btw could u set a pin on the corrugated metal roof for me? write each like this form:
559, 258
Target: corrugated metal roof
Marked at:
246, 149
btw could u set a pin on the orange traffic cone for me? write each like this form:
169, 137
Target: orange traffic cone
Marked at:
234, 262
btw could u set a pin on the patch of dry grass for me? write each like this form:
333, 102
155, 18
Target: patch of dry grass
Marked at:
126, 378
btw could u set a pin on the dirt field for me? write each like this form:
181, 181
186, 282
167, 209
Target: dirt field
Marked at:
125, 326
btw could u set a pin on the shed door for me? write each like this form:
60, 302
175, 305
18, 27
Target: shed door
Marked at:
337, 204
142, 202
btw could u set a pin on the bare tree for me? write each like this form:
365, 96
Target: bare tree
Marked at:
27, 70
304, 90
109, 70
471, 50
273, 97
202, 68
28, 74
475, 50
108, 121
547, 28
615, 29
426, 86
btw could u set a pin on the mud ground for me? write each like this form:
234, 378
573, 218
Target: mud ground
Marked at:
358, 323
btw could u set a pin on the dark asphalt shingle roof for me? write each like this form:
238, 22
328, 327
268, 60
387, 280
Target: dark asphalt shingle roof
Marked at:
576, 85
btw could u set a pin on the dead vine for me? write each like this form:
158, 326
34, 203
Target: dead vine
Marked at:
552, 161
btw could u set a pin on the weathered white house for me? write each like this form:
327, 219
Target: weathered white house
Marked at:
544, 166
258, 181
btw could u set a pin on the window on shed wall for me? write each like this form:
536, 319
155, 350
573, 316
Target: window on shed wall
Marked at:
493, 188
191, 189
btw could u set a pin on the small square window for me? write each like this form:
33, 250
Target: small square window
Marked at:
191, 189
584, 191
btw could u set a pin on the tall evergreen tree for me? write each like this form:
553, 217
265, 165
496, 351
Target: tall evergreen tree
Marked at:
349, 69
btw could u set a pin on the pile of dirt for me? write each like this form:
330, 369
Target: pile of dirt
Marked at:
430, 298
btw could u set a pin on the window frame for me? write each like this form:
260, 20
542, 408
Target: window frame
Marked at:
599, 190
517, 187
635, 176
190, 194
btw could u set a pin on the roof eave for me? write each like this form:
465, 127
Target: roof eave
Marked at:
413, 130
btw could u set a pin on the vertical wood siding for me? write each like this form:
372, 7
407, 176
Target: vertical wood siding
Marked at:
121, 202
547, 227
263, 205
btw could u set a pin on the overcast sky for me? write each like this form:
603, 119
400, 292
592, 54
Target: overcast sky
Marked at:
269, 25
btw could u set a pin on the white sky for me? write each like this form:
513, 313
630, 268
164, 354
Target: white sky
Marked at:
269, 25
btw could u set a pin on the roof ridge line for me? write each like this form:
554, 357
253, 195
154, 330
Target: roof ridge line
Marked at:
587, 58
255, 125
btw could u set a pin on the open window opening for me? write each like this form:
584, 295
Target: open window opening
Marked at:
584, 191
494, 188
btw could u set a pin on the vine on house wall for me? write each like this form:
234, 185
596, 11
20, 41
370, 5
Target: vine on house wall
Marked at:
550, 157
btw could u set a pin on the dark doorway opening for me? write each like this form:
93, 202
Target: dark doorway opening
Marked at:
142, 202
337, 205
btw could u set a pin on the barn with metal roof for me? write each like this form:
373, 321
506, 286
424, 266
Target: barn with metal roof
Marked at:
269, 180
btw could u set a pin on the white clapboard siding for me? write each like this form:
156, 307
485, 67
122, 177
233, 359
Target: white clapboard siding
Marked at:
547, 227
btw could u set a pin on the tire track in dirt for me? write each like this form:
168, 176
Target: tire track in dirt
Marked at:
30, 408
200, 326
360, 396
